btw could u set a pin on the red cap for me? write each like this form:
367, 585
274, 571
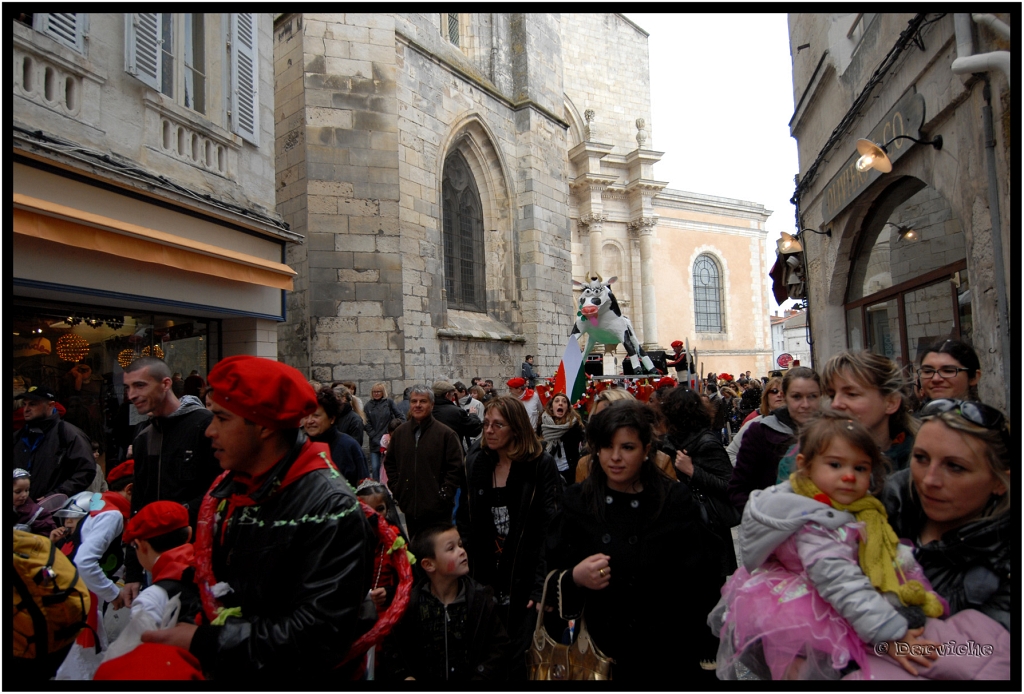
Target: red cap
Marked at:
677, 343
156, 518
123, 470
152, 661
665, 382
264, 391
517, 382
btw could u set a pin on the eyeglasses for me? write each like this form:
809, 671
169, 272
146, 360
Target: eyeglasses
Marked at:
774, 391
944, 371
974, 412
497, 426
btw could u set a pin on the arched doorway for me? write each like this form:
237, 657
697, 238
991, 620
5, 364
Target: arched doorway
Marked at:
908, 284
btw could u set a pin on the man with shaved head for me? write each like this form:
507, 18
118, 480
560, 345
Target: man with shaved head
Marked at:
173, 458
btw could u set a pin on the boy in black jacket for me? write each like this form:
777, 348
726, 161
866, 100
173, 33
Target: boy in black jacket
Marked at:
451, 630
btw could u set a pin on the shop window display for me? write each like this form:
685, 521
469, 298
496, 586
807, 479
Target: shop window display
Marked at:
80, 352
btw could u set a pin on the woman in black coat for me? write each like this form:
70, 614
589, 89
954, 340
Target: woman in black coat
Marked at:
631, 556
512, 493
702, 462
321, 427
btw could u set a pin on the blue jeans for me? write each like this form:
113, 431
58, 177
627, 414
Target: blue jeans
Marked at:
375, 464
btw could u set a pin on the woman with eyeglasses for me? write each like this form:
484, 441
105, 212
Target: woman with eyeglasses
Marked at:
511, 494
867, 387
771, 399
954, 505
767, 441
949, 369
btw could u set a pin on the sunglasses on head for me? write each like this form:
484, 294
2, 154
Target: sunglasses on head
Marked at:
974, 412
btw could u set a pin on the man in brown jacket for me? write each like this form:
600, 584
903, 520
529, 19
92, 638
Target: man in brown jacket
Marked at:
424, 464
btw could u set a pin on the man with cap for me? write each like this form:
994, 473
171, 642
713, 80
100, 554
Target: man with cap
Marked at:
682, 363
173, 457
424, 464
528, 396
283, 551
447, 411
57, 455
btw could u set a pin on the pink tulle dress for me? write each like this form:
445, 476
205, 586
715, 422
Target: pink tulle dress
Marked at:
777, 609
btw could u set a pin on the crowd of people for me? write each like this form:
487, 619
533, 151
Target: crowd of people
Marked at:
839, 523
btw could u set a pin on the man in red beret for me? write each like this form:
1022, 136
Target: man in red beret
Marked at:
283, 552
528, 396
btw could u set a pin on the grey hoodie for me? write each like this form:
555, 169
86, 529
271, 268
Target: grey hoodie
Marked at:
774, 515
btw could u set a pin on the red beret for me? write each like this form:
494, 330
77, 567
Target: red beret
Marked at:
677, 343
154, 519
264, 391
152, 661
665, 382
516, 382
125, 469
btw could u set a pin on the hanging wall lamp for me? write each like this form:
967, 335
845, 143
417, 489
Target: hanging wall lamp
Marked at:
875, 156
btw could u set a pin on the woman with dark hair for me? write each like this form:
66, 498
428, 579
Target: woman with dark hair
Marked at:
949, 369
350, 419
561, 431
623, 538
953, 503
346, 454
771, 399
702, 463
766, 442
512, 492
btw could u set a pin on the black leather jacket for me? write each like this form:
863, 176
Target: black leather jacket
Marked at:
299, 563
969, 566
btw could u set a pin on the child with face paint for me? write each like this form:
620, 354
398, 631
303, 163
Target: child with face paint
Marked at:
451, 631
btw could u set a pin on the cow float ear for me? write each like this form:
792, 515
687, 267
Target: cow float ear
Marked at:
611, 281
577, 283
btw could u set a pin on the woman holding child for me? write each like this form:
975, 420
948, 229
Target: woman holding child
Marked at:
624, 536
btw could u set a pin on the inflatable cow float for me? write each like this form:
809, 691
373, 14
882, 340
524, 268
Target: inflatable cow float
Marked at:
601, 320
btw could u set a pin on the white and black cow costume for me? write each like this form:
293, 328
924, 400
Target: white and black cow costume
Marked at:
598, 316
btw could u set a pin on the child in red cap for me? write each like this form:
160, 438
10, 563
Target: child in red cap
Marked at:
160, 535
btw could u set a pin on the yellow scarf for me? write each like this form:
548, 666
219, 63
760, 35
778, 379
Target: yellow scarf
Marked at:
878, 545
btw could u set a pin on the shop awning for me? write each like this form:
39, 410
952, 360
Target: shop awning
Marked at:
72, 227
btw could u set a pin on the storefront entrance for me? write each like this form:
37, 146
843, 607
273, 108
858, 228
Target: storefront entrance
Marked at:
80, 352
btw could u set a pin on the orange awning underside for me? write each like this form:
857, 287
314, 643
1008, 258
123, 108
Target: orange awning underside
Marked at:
71, 227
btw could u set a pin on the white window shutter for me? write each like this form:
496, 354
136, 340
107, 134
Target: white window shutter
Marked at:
143, 56
65, 28
245, 105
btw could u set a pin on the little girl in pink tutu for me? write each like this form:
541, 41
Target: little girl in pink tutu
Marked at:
824, 581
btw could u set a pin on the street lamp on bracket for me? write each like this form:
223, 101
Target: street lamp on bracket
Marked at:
875, 156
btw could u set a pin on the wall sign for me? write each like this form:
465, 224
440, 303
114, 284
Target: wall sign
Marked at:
785, 359
905, 118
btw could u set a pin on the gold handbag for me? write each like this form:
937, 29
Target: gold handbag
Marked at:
546, 659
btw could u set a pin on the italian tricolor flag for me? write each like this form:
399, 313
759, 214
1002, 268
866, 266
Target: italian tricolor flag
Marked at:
570, 378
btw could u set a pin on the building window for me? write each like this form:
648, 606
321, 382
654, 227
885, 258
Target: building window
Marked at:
707, 295
66, 28
170, 53
463, 231
450, 27
908, 291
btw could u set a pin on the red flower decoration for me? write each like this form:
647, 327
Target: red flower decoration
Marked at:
823, 498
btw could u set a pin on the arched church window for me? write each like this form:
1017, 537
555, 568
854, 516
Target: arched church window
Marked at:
450, 26
707, 295
463, 232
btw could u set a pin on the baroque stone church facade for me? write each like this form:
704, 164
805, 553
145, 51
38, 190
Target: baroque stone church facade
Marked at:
452, 173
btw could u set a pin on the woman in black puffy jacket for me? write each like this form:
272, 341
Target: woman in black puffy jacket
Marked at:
702, 463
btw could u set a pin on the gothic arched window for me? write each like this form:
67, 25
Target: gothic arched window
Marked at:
462, 219
707, 295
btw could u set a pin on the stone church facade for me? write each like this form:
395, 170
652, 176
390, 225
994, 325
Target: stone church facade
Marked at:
452, 173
